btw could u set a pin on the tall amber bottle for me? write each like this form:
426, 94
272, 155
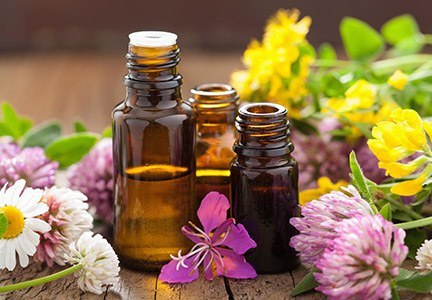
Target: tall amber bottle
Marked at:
153, 143
264, 183
215, 106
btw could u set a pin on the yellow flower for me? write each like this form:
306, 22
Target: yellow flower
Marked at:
398, 80
360, 95
409, 187
399, 170
325, 186
404, 134
278, 67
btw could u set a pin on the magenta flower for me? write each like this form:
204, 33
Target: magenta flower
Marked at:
218, 249
30, 164
93, 176
320, 219
363, 259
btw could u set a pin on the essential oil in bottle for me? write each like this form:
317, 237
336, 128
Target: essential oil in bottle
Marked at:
264, 181
215, 106
153, 147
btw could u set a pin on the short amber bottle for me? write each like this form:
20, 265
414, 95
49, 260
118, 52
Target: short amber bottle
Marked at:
215, 106
264, 180
153, 145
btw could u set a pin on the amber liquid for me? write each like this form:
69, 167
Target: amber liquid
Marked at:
209, 180
153, 210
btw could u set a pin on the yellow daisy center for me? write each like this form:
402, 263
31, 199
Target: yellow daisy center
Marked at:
15, 219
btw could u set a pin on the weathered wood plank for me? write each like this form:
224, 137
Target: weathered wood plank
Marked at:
133, 285
197, 290
269, 287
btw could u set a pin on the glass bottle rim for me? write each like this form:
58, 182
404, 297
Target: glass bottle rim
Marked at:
263, 110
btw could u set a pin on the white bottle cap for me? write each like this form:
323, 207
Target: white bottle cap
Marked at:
152, 39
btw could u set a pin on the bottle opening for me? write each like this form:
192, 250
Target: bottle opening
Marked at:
213, 89
152, 39
262, 109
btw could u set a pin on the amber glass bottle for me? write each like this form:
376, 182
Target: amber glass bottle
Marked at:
264, 184
153, 143
215, 106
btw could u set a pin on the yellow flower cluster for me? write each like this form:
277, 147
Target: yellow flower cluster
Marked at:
325, 186
395, 141
398, 80
278, 67
359, 107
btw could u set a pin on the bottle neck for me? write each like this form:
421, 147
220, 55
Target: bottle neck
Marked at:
263, 131
214, 103
153, 79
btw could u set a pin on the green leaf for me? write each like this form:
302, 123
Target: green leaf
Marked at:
80, 127
386, 212
326, 51
4, 224
306, 284
400, 28
414, 239
404, 274
107, 133
12, 124
304, 127
361, 41
68, 150
416, 282
359, 180
42, 135
409, 45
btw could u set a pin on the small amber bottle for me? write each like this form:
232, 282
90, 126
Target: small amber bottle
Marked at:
153, 147
215, 106
264, 180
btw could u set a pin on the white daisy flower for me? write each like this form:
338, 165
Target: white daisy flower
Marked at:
69, 217
21, 207
424, 256
100, 265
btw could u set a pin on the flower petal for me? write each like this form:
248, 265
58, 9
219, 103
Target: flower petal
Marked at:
170, 274
235, 266
233, 236
190, 234
213, 211
238, 239
38, 225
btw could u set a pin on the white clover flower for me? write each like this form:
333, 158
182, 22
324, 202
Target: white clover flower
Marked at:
100, 265
21, 207
424, 257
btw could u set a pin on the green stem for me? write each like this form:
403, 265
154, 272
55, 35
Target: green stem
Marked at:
389, 65
329, 63
42, 280
415, 224
403, 208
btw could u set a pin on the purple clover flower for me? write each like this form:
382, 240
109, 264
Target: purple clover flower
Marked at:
320, 219
362, 260
29, 163
220, 246
93, 176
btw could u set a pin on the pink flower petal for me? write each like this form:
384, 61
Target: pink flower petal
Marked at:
238, 239
235, 266
189, 233
208, 274
170, 274
213, 211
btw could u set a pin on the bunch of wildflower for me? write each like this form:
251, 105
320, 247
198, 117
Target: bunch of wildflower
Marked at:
396, 142
278, 67
359, 108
